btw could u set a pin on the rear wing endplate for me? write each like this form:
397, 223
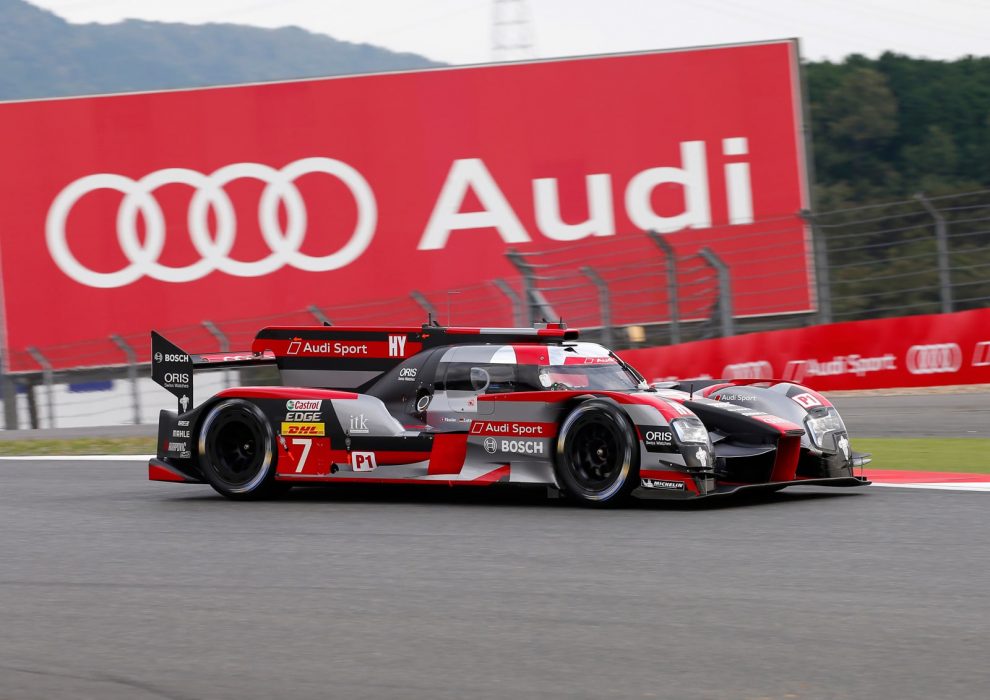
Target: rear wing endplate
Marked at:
173, 368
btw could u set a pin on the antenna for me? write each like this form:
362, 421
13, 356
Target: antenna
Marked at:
512, 33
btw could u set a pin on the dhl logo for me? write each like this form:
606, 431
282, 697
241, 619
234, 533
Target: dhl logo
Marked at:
314, 429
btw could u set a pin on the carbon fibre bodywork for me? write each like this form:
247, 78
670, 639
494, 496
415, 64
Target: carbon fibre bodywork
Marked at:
459, 406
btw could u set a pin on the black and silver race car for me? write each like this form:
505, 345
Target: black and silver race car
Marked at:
479, 406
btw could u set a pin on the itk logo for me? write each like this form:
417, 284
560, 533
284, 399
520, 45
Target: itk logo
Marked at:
358, 424
397, 346
363, 461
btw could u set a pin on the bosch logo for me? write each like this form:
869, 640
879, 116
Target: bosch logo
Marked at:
934, 359
171, 357
214, 245
491, 446
748, 370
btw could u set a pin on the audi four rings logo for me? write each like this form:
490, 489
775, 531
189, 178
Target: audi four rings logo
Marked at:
934, 359
213, 247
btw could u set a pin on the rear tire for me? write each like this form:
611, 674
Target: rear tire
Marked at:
597, 457
236, 451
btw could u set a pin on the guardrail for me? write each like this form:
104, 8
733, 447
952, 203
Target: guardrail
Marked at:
917, 256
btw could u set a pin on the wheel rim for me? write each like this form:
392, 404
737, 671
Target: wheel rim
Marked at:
596, 453
236, 449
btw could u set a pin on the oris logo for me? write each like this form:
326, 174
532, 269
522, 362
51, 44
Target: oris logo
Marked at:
213, 244
407, 374
934, 359
176, 378
748, 370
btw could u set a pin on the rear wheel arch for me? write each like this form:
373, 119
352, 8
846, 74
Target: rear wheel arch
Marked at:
237, 452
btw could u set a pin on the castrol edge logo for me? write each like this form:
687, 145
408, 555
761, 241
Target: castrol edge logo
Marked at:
467, 177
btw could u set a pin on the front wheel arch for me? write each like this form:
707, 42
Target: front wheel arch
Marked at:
596, 456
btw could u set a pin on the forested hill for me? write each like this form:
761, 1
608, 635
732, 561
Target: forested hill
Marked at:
883, 128
42, 55
886, 128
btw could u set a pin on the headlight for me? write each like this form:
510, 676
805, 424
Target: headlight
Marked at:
819, 427
690, 429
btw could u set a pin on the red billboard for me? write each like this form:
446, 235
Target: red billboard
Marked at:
160, 210
911, 351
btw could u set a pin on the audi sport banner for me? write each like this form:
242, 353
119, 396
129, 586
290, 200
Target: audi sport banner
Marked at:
934, 350
130, 212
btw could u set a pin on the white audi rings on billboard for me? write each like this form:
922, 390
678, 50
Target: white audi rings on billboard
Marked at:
934, 359
748, 370
213, 247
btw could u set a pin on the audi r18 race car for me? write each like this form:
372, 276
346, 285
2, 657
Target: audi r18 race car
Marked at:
478, 406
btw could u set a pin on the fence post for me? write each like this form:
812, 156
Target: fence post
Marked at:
823, 282
318, 313
724, 290
132, 376
8, 389
517, 310
942, 253
425, 304
48, 379
537, 305
603, 301
529, 286
673, 300
223, 344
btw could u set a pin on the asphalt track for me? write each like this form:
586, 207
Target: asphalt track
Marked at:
115, 587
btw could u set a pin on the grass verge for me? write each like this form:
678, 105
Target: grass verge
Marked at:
927, 454
79, 446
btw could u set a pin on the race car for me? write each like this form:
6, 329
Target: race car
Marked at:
480, 406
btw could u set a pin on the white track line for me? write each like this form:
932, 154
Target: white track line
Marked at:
944, 486
78, 458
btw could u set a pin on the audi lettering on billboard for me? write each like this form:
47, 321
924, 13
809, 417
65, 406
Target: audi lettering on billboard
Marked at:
165, 209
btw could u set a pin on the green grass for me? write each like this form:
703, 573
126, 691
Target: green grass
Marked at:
923, 454
927, 454
79, 446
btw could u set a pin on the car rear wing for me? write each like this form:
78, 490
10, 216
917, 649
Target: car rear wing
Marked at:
173, 368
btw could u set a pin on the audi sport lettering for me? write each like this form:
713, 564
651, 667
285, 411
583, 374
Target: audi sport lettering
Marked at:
312, 429
483, 427
303, 405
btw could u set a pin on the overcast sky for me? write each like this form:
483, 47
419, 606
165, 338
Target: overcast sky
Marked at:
461, 31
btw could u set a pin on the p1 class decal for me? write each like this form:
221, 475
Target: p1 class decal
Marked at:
363, 461
807, 400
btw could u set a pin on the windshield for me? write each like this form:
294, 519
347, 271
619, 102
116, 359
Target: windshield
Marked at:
606, 377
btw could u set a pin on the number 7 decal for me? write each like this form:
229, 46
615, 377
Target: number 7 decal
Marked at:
307, 444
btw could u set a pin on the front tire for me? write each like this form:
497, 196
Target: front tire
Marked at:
597, 458
236, 451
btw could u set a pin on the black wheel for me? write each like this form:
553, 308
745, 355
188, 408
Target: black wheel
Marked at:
236, 451
597, 460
